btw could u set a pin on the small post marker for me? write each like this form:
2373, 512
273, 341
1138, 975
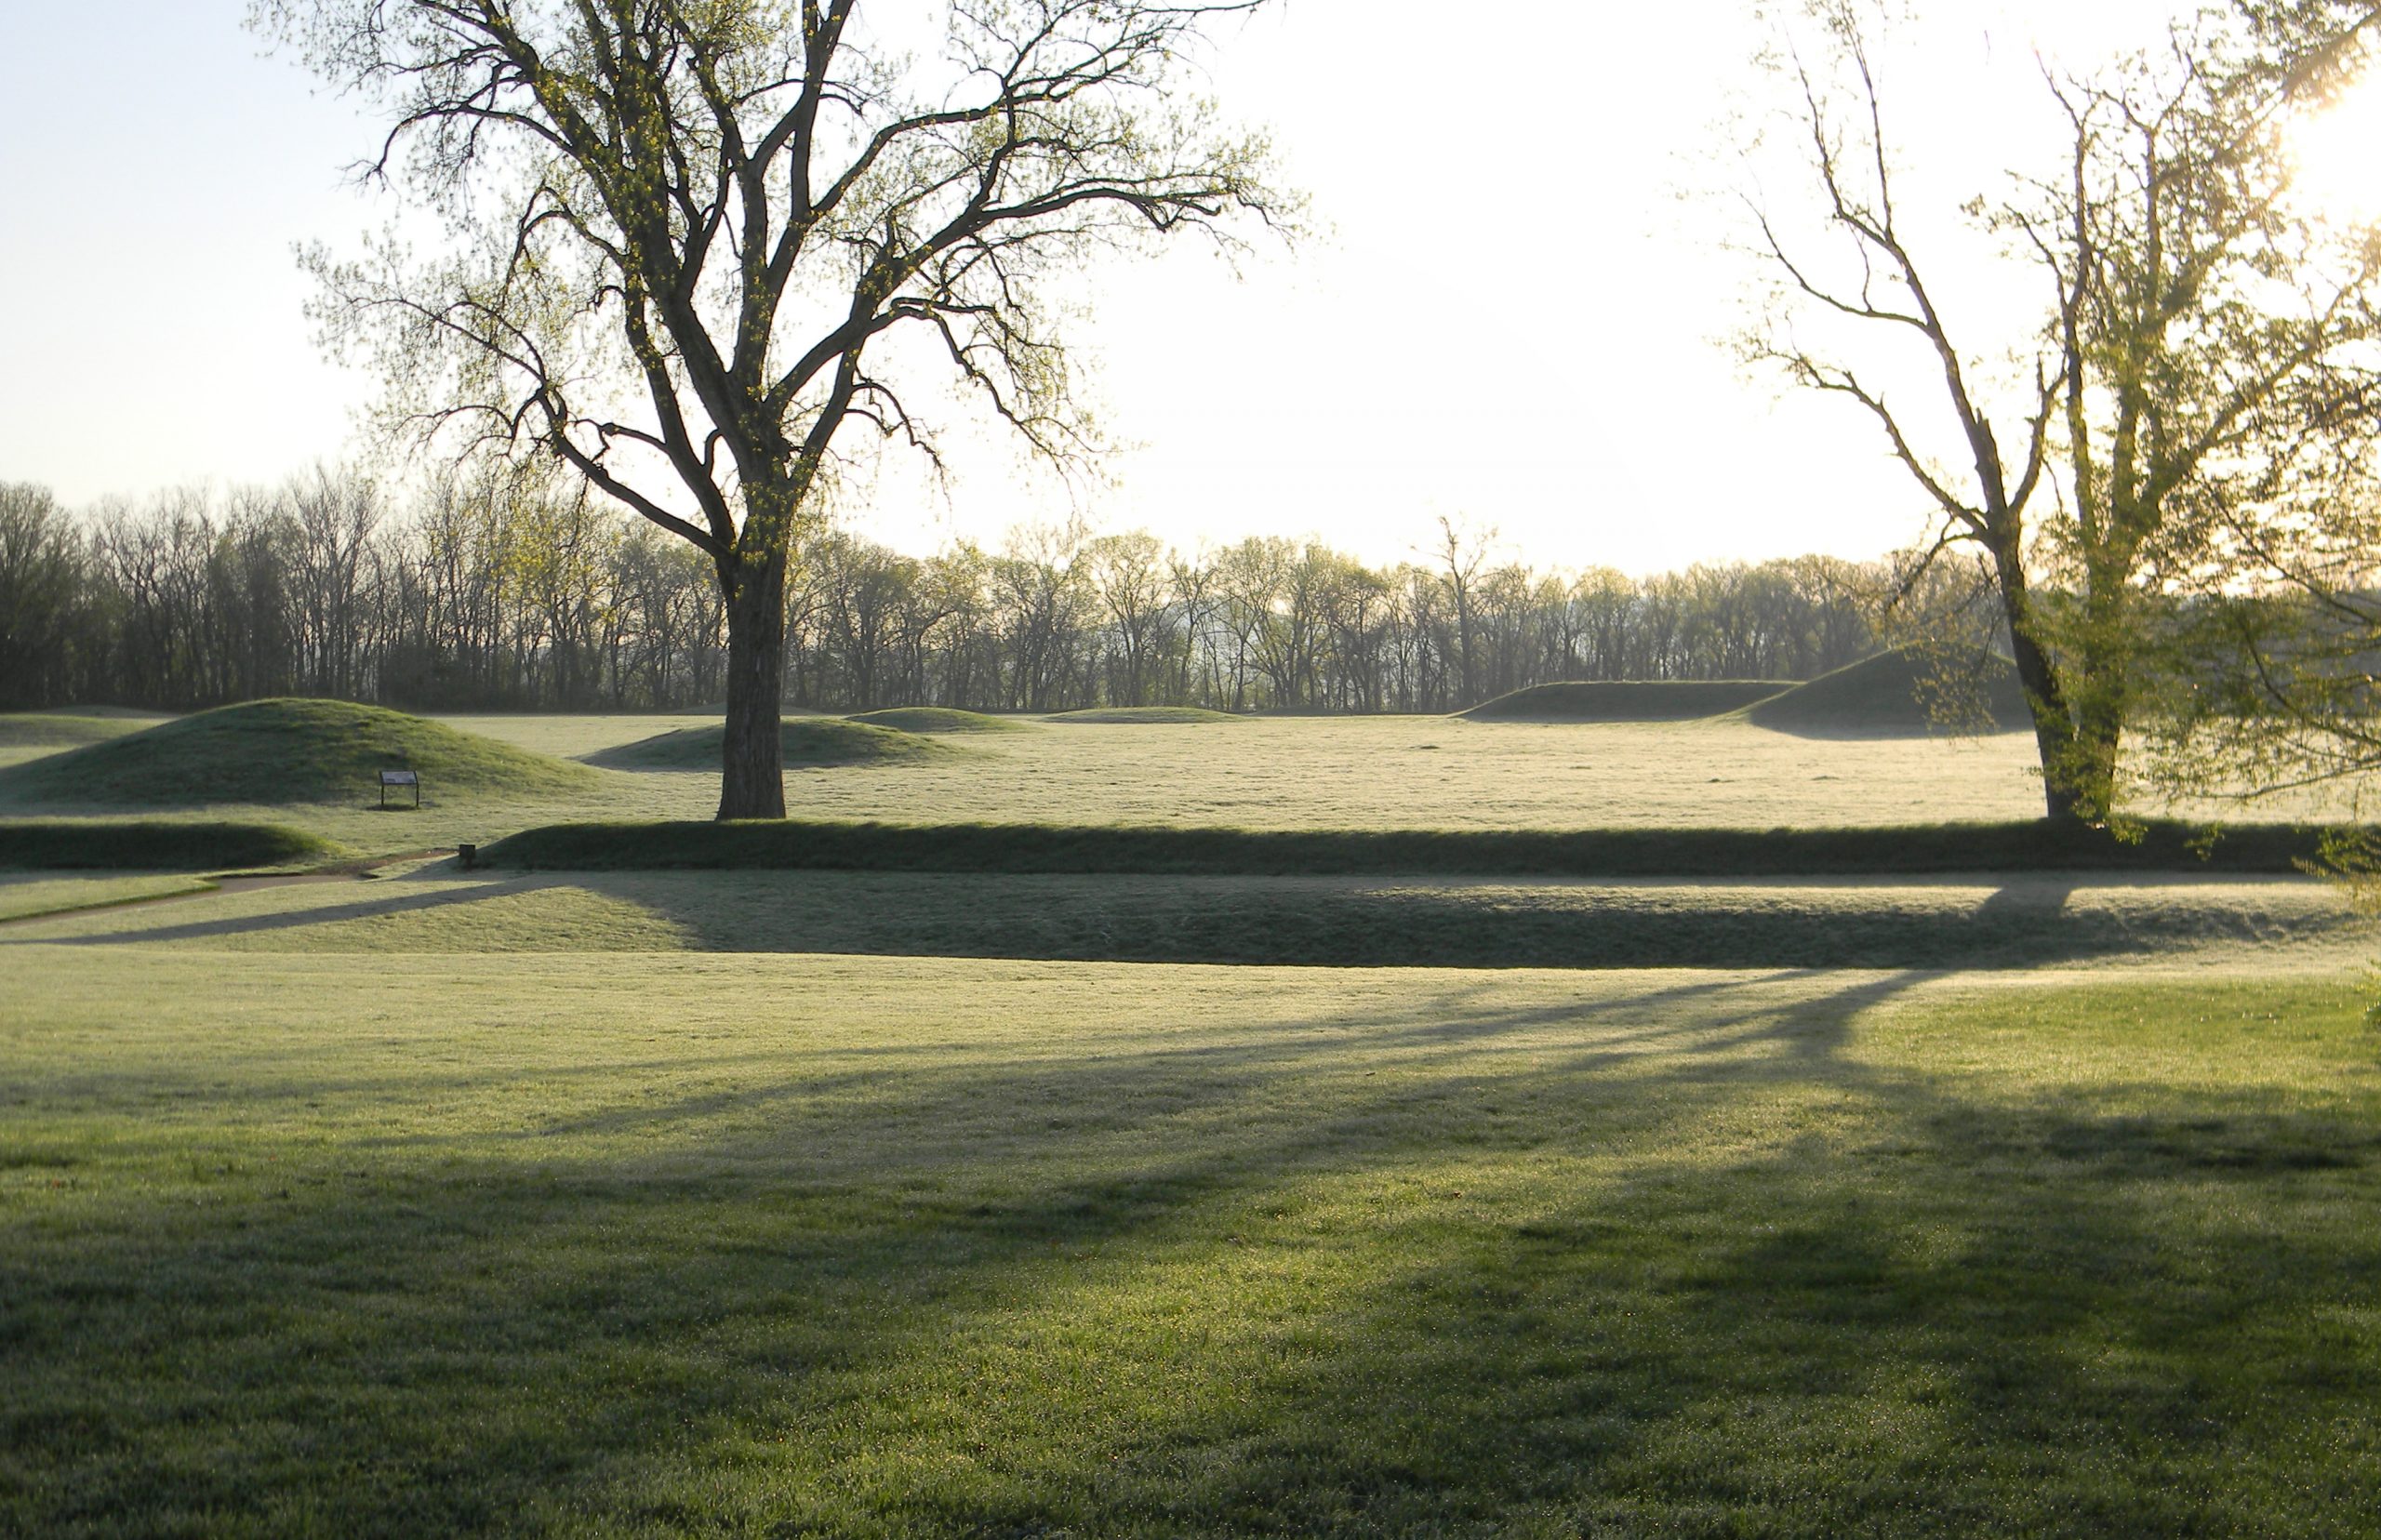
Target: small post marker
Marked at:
467, 855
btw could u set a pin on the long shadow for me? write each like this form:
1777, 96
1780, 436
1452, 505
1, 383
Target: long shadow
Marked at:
295, 919
2026, 922
981, 1299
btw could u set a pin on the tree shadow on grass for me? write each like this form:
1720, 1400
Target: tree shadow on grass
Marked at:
1437, 1262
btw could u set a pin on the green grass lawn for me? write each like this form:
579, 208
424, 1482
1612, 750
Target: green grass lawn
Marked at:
24, 894
780, 1245
1306, 773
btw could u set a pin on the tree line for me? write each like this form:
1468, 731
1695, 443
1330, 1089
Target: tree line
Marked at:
492, 590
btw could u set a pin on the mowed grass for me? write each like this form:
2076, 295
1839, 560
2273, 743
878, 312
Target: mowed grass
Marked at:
24, 894
745, 1244
1304, 773
2006, 921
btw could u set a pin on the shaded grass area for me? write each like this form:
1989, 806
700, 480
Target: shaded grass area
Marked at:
1886, 695
804, 740
797, 844
63, 844
753, 1246
1625, 700
2016, 921
939, 719
23, 896
1156, 715
273, 753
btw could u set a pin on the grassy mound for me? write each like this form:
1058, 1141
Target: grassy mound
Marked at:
806, 740
1887, 696
278, 751
938, 718
64, 729
1163, 715
1625, 700
792, 844
56, 845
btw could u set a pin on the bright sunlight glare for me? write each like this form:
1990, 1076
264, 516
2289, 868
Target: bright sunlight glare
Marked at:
2338, 172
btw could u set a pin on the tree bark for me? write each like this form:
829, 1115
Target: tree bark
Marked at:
752, 756
2045, 698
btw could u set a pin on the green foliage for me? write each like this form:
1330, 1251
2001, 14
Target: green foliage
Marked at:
1625, 700
273, 752
805, 741
58, 844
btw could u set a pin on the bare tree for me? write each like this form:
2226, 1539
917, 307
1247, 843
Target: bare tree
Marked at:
2199, 344
690, 232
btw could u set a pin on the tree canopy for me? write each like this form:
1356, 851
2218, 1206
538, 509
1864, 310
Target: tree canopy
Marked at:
695, 242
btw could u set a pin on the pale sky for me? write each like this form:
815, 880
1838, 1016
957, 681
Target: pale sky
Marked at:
1513, 316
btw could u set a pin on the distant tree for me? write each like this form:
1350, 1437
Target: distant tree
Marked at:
736, 207
44, 597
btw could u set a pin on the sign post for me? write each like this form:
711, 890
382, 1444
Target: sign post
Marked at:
400, 778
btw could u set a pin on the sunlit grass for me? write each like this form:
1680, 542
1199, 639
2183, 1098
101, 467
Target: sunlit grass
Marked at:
750, 1244
23, 894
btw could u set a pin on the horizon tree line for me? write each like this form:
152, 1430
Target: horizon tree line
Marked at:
492, 591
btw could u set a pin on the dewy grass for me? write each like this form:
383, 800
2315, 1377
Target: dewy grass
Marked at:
22, 898
797, 844
2004, 922
750, 1246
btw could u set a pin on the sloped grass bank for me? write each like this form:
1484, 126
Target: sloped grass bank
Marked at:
1626, 700
1891, 695
276, 752
796, 845
799, 1246
2006, 921
59, 845
802, 741
938, 718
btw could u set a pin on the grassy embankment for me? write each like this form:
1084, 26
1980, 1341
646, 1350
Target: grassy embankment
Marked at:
810, 844
2001, 923
681, 1245
802, 741
278, 752
939, 719
141, 844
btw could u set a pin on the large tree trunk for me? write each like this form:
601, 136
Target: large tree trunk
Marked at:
2045, 697
753, 759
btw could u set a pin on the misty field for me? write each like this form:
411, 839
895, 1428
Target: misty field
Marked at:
400, 1199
